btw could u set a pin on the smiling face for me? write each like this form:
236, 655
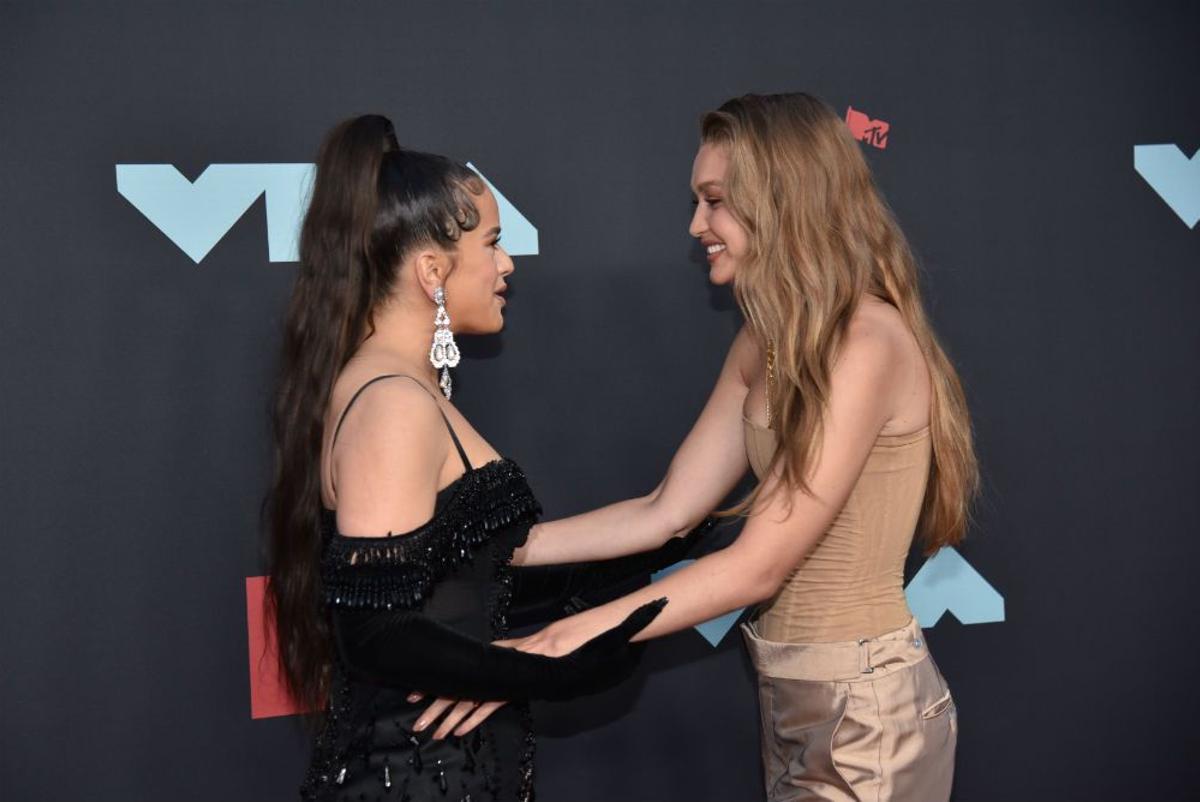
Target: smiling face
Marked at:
475, 287
722, 236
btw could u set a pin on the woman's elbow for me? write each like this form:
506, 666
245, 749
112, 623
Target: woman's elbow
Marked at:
669, 520
760, 592
758, 584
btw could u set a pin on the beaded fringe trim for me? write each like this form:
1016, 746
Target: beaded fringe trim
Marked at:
398, 572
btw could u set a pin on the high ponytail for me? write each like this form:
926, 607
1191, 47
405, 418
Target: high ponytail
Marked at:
372, 203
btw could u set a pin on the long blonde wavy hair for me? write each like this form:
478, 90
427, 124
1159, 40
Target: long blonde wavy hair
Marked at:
820, 235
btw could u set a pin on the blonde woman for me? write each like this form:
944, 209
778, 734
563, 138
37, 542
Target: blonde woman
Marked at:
838, 396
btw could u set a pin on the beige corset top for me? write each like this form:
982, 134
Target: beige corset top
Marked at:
851, 585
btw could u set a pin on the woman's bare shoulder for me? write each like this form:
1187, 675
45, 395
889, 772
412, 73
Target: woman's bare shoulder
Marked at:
373, 410
879, 336
878, 321
745, 355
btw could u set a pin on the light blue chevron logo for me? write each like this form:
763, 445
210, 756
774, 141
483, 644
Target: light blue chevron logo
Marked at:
1174, 176
948, 583
945, 583
520, 237
195, 215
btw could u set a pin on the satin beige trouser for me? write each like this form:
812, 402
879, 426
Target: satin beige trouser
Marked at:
855, 721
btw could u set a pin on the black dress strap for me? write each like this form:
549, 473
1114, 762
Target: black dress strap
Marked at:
457, 444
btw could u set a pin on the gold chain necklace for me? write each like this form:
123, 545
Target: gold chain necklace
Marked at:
770, 378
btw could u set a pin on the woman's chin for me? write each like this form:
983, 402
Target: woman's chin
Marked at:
720, 275
497, 325
481, 329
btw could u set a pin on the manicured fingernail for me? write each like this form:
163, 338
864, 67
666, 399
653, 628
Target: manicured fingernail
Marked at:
413, 697
420, 725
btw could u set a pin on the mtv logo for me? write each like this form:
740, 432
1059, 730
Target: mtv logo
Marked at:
196, 215
864, 129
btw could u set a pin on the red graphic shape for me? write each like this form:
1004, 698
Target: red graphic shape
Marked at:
864, 129
268, 694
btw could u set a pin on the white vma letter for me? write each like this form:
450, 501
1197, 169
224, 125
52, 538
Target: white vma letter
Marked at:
196, 215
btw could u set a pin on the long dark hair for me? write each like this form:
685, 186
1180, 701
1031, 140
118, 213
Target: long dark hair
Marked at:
372, 203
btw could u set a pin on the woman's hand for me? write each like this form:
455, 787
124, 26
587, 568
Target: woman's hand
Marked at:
555, 640
473, 713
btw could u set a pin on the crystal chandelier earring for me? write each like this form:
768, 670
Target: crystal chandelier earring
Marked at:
444, 352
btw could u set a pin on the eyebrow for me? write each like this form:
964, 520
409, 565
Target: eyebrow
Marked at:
495, 230
708, 184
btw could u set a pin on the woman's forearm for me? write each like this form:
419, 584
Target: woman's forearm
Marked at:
712, 586
626, 527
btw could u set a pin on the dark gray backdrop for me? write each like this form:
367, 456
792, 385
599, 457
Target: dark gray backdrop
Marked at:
132, 420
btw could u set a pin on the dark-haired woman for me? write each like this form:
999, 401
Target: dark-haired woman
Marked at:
392, 520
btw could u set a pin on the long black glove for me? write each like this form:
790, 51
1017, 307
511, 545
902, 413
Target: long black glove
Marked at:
411, 651
548, 592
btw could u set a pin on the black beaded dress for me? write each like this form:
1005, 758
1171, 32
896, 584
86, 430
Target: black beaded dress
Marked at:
418, 612
454, 570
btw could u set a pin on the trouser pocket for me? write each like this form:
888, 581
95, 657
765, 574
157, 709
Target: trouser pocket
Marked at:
939, 707
943, 703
